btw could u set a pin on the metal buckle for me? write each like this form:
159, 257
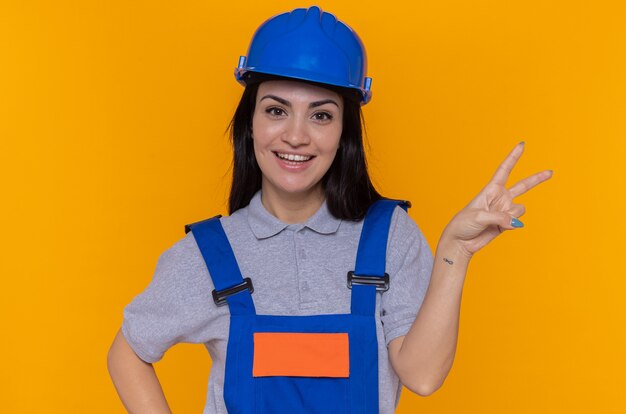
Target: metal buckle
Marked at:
381, 283
219, 297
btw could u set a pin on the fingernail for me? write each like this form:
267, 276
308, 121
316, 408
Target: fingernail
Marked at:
522, 142
516, 223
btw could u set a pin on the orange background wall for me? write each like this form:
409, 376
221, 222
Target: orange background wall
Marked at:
112, 120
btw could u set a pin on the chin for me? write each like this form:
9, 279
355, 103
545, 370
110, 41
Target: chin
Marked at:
293, 190
296, 188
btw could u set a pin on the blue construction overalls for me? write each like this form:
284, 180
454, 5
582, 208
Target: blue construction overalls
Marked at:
335, 368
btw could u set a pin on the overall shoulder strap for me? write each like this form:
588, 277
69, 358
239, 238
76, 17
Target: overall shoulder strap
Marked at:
369, 272
230, 287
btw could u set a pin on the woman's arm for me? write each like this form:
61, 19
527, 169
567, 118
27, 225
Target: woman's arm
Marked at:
135, 380
423, 358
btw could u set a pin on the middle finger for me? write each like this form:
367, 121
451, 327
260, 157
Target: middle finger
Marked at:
527, 183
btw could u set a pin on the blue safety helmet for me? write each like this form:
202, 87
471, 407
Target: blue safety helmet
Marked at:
311, 45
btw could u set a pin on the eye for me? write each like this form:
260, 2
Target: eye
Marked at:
275, 111
322, 116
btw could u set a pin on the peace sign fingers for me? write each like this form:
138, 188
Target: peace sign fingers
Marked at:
504, 170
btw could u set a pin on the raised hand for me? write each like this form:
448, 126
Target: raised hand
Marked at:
492, 211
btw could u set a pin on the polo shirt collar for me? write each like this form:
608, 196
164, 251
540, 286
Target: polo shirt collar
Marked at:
264, 224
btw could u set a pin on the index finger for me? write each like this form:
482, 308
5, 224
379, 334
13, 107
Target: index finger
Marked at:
504, 170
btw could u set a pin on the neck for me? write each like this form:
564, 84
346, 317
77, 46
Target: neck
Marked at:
292, 208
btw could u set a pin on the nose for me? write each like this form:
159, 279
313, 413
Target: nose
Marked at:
296, 133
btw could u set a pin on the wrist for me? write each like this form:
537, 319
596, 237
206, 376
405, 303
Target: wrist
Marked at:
451, 250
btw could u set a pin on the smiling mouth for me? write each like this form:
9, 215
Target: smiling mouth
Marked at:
293, 159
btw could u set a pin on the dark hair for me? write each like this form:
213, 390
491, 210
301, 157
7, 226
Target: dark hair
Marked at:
349, 190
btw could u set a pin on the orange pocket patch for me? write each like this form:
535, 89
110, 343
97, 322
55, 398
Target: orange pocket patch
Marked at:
301, 354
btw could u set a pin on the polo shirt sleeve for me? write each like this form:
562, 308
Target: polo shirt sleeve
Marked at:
409, 264
175, 307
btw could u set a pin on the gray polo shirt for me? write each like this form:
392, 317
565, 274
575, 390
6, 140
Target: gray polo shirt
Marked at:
297, 269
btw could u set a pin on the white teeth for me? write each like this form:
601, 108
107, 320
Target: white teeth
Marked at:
294, 157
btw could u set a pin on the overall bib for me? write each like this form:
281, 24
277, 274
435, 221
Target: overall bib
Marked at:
318, 364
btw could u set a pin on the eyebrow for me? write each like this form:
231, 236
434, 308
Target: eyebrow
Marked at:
311, 105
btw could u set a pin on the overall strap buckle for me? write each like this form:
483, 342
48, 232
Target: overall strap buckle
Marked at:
223, 268
381, 283
219, 296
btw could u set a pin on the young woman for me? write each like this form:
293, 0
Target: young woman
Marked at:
316, 294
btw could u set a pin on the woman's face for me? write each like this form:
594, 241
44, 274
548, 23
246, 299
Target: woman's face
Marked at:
296, 129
